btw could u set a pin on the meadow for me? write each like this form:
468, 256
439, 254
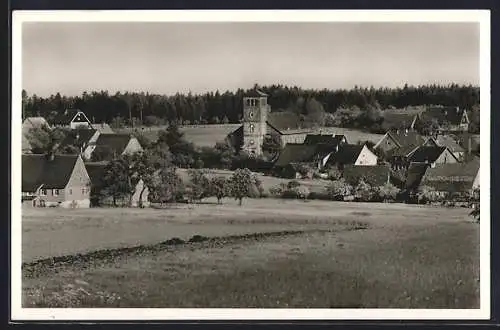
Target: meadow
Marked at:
266, 253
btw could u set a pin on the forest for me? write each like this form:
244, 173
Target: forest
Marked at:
125, 108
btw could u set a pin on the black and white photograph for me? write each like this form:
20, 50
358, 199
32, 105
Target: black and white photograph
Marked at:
250, 165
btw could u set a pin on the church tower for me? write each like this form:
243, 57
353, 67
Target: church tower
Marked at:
255, 110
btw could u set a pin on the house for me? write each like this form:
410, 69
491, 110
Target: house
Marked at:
109, 146
414, 175
451, 179
294, 155
400, 139
259, 122
350, 154
375, 176
448, 118
433, 155
397, 147
55, 180
72, 118
449, 142
82, 139
28, 124
400, 119
97, 171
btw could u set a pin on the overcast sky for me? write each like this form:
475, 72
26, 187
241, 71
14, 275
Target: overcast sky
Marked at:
170, 57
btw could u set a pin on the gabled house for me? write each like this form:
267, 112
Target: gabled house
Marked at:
97, 172
72, 118
82, 139
414, 175
451, 179
55, 180
110, 146
350, 154
28, 124
448, 118
375, 176
433, 156
449, 142
397, 147
400, 119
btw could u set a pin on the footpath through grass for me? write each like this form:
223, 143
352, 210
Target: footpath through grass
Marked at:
393, 267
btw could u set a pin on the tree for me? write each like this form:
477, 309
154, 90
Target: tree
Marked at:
199, 185
272, 146
363, 191
339, 188
219, 187
43, 139
426, 194
183, 152
387, 192
117, 122
116, 180
167, 186
315, 112
225, 120
427, 126
103, 153
241, 184
302, 192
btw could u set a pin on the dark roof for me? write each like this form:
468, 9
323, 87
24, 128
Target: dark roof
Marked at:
285, 120
398, 118
414, 175
116, 142
456, 177
449, 142
296, 153
96, 172
38, 170
347, 154
78, 137
255, 93
452, 115
427, 154
324, 138
376, 176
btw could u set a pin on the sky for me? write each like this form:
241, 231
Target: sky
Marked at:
172, 57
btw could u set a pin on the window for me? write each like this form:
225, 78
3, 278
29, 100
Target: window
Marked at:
250, 114
55, 192
43, 192
71, 191
252, 128
252, 142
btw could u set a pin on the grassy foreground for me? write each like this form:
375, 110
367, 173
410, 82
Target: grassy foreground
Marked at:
347, 267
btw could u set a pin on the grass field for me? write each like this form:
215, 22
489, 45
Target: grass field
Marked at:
54, 232
208, 135
407, 267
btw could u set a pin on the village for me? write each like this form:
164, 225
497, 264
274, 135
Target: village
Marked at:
403, 165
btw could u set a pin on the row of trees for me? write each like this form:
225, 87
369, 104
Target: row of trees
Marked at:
217, 107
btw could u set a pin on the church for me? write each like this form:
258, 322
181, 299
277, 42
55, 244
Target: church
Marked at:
260, 123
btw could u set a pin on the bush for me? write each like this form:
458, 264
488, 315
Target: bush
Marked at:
276, 191
363, 192
293, 184
338, 189
302, 192
387, 192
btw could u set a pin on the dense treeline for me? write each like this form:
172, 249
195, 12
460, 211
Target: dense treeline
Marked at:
226, 107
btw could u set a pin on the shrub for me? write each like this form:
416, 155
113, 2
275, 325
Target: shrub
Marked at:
387, 192
276, 191
301, 192
363, 192
426, 194
338, 189
293, 184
